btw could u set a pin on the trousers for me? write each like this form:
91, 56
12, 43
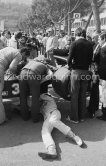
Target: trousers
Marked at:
94, 96
104, 93
29, 84
53, 120
79, 84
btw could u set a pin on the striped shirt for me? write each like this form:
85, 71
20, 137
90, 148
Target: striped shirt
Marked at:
9, 58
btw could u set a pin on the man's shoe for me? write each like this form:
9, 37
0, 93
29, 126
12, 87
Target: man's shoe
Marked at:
92, 116
47, 156
71, 120
82, 120
77, 140
74, 121
4, 122
102, 117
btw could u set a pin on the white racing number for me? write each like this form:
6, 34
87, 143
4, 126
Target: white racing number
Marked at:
15, 88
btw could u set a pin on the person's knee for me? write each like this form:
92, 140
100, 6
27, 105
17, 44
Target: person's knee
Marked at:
53, 121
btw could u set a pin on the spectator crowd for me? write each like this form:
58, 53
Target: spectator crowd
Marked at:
33, 56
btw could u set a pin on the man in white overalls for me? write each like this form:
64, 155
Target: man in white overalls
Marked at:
52, 119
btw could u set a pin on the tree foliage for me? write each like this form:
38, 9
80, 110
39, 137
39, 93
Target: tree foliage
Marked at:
46, 12
12, 13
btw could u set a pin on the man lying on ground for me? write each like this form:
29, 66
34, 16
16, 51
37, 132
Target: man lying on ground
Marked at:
52, 119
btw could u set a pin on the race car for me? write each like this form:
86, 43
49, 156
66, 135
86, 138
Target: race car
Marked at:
11, 92
11, 85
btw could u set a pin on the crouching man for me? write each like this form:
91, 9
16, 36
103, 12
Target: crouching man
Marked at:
52, 119
30, 78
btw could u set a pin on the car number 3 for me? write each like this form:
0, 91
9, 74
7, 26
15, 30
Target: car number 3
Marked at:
15, 88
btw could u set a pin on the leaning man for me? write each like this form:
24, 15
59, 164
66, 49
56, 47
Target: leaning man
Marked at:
29, 83
9, 59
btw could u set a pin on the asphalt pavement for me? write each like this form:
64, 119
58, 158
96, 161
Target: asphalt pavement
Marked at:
21, 141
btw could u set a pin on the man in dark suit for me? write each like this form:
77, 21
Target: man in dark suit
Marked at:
80, 57
100, 59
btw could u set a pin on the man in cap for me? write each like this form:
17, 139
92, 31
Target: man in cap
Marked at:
14, 41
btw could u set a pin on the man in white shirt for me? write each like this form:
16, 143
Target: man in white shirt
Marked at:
39, 37
52, 43
44, 41
8, 37
14, 40
62, 41
62, 45
4, 39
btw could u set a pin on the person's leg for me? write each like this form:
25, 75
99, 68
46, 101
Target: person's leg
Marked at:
103, 117
2, 110
94, 98
82, 99
55, 121
34, 85
24, 92
75, 85
48, 141
51, 57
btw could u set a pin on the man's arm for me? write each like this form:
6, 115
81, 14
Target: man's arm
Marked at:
14, 63
96, 56
71, 54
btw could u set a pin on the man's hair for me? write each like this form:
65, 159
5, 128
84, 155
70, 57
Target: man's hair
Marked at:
62, 32
26, 50
80, 32
24, 38
32, 43
8, 32
18, 35
3, 33
103, 36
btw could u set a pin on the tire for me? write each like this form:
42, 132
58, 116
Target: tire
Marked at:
61, 83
